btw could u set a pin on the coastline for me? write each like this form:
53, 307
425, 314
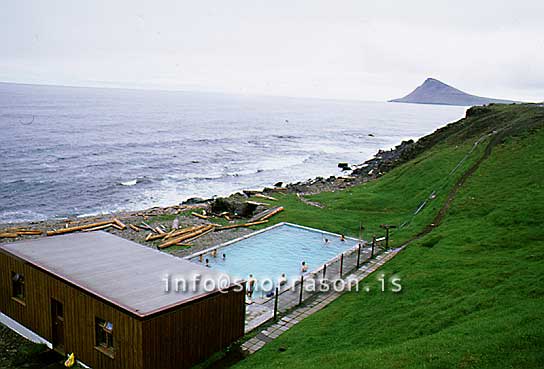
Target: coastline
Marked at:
379, 164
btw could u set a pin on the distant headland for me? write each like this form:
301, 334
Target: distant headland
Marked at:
433, 91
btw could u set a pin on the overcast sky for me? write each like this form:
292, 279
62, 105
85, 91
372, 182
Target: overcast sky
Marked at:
370, 50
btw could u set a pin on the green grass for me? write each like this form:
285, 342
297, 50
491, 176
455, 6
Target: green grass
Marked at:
473, 288
393, 199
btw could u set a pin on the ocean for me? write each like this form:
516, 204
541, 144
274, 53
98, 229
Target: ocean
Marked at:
74, 151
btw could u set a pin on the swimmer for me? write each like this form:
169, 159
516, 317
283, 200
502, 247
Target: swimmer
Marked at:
208, 262
282, 280
342, 238
201, 258
214, 253
304, 267
224, 257
250, 285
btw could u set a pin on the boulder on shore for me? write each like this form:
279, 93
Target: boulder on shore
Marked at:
234, 205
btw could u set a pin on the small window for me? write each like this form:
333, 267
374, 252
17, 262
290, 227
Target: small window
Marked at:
104, 336
18, 286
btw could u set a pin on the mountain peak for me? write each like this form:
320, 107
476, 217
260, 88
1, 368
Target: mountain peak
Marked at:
433, 91
432, 80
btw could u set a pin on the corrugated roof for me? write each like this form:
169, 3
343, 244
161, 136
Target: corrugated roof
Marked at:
120, 271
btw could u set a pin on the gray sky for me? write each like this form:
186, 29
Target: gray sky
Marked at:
371, 50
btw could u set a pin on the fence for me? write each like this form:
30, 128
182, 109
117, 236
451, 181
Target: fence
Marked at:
321, 280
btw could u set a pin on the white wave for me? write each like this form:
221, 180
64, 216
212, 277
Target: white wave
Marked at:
21, 216
130, 183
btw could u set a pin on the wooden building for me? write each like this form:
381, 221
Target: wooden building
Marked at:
105, 299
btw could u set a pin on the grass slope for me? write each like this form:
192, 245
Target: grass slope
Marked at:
472, 288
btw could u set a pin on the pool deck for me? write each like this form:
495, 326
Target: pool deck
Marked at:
319, 302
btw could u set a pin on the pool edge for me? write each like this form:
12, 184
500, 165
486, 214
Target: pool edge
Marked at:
227, 243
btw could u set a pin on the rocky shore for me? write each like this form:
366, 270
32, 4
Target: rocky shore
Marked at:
236, 205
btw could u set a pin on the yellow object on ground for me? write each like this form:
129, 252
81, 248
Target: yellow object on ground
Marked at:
70, 361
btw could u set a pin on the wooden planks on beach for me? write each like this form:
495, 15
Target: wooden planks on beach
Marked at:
262, 196
267, 214
256, 203
188, 236
77, 228
119, 223
16, 232
98, 228
29, 232
273, 212
201, 216
8, 235
232, 226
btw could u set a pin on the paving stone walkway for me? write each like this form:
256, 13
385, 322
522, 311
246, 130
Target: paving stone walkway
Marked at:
319, 302
262, 308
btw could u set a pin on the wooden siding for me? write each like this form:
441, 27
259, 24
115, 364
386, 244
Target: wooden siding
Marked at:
181, 338
178, 337
80, 310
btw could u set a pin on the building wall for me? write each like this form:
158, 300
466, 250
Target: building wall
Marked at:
80, 310
186, 336
175, 339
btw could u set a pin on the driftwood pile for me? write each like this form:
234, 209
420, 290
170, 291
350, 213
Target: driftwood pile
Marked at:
182, 237
170, 210
167, 237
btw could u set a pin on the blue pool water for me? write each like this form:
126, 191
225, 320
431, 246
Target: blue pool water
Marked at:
278, 250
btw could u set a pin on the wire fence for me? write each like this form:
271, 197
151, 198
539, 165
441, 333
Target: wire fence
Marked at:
287, 297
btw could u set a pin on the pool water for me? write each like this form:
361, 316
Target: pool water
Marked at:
279, 249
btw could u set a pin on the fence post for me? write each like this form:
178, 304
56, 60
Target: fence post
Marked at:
301, 289
324, 270
359, 255
387, 227
341, 264
276, 297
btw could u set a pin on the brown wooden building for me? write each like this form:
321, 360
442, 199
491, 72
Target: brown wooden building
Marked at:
104, 298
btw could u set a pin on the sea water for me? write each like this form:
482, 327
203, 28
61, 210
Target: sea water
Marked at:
69, 151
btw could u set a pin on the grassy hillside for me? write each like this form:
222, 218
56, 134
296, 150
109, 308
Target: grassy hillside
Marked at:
472, 288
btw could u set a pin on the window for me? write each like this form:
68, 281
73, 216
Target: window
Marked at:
104, 336
18, 286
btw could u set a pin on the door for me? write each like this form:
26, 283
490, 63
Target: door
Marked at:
57, 312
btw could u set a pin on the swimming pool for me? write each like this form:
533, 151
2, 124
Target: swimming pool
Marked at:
275, 250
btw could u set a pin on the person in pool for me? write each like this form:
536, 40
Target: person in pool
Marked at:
304, 267
224, 257
251, 286
201, 258
207, 263
282, 280
342, 237
214, 253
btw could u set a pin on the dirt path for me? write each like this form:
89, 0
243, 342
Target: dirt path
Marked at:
497, 137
